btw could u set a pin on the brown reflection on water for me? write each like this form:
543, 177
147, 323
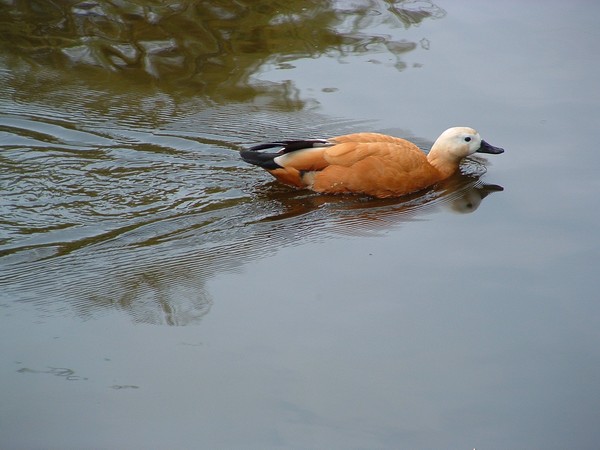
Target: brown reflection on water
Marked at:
205, 48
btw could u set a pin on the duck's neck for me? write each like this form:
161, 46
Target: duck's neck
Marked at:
442, 161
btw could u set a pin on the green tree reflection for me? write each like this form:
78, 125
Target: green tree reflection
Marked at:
209, 48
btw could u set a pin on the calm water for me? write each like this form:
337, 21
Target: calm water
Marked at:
155, 292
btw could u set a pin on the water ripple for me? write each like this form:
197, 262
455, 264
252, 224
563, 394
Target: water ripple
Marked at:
137, 209
156, 269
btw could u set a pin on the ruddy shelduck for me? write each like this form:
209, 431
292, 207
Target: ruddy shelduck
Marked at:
373, 164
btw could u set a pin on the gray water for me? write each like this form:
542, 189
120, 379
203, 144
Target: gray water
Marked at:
156, 292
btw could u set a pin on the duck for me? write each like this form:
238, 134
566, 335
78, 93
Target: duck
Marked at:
371, 164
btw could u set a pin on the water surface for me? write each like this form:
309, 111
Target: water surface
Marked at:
157, 292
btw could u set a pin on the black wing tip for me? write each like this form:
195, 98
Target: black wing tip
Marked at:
264, 160
254, 155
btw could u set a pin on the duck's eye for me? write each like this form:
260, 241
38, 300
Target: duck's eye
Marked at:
467, 139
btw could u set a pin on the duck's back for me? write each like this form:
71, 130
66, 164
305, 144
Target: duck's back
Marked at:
373, 164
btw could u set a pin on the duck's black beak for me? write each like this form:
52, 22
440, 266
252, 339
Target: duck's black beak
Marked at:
487, 148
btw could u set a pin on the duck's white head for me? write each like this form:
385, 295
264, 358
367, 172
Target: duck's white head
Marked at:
459, 142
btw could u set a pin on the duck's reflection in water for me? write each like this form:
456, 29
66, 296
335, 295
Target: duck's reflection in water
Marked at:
461, 193
470, 200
